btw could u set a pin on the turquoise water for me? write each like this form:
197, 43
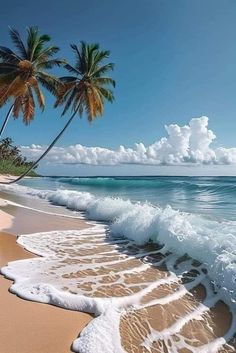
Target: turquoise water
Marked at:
188, 215
214, 197
143, 214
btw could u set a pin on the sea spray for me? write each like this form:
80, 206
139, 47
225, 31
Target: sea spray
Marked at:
209, 241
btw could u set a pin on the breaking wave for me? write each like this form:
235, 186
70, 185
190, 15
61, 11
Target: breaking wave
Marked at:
209, 241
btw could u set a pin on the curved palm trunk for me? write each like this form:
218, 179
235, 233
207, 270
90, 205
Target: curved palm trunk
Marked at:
44, 153
6, 120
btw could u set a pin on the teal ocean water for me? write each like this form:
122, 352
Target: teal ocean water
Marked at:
114, 268
214, 197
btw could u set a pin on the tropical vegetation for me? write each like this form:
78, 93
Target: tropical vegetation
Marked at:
24, 71
11, 160
84, 91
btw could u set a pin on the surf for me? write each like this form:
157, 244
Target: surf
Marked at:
136, 262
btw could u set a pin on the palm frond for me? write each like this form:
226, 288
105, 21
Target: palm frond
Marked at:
99, 102
63, 93
32, 41
104, 81
28, 107
45, 38
45, 54
47, 85
103, 69
15, 87
36, 44
70, 99
16, 38
92, 52
23, 73
72, 69
78, 104
17, 107
49, 64
6, 79
67, 79
51, 83
40, 45
98, 58
3, 96
8, 56
39, 95
88, 90
81, 65
94, 106
77, 52
106, 93
6, 68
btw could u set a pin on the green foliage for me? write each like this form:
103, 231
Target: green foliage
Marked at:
6, 167
24, 72
89, 87
11, 160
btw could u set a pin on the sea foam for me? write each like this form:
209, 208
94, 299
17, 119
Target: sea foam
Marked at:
71, 261
209, 241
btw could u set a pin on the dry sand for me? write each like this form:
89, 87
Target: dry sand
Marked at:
5, 219
28, 327
6, 177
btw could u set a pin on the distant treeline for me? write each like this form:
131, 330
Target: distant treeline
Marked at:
11, 160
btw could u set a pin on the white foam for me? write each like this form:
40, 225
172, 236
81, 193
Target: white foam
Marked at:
209, 241
102, 335
3, 202
65, 252
43, 279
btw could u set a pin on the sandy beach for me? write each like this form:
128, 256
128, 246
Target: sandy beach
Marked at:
5, 218
117, 177
6, 178
169, 311
26, 326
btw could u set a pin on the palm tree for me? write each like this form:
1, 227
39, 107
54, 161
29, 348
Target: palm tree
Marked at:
24, 71
85, 91
5, 147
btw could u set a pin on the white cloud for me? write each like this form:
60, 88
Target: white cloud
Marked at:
183, 145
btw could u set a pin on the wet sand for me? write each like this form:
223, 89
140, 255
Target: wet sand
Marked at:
25, 326
47, 329
27, 221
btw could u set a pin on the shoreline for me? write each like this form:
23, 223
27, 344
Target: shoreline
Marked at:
36, 327
7, 177
168, 312
5, 218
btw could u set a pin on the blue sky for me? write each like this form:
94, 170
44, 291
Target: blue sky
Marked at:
174, 60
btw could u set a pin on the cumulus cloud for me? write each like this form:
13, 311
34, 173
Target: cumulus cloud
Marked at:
183, 144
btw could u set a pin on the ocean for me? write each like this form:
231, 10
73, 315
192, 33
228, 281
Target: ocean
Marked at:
214, 197
137, 223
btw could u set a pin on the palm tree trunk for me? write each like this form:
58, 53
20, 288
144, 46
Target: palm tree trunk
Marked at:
6, 119
44, 153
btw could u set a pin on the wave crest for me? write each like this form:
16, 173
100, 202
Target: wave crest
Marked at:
208, 241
